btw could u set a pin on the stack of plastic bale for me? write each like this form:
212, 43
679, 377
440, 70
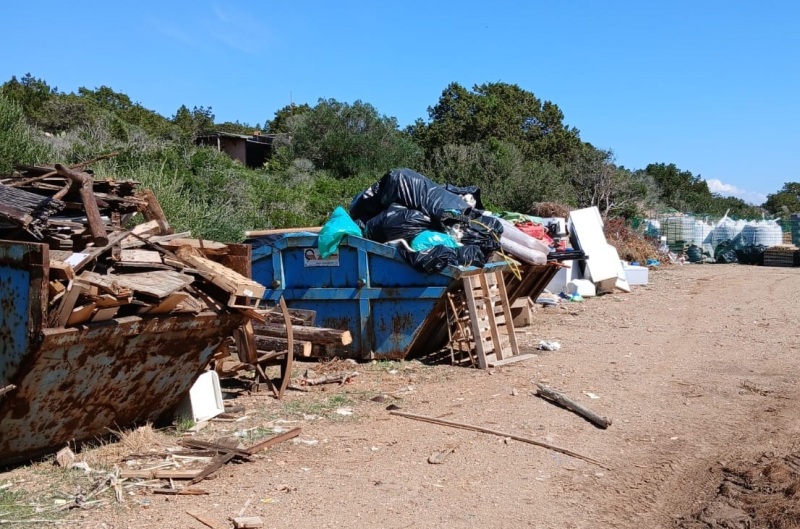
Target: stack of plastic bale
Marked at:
432, 226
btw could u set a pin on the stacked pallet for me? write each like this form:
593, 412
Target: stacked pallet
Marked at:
782, 255
100, 270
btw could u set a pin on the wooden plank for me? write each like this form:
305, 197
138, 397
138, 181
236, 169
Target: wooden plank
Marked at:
67, 304
158, 474
247, 522
317, 335
272, 441
217, 463
203, 519
480, 344
270, 343
84, 184
498, 347
167, 305
205, 246
140, 256
509, 321
136, 242
281, 231
245, 343
158, 284
62, 271
225, 278
81, 314
105, 314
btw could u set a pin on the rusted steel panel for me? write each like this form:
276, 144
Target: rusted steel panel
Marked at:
23, 284
78, 382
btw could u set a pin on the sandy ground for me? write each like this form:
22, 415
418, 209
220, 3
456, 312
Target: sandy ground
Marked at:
697, 370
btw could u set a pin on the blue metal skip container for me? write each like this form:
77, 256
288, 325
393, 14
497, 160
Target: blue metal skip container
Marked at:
391, 309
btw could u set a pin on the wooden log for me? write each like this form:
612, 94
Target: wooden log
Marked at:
465, 426
271, 343
321, 335
154, 212
562, 400
84, 184
281, 231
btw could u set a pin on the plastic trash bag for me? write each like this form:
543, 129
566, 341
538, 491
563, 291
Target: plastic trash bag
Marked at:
397, 222
437, 258
428, 239
331, 234
367, 204
725, 253
414, 191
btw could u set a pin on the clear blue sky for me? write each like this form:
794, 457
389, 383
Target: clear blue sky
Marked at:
712, 86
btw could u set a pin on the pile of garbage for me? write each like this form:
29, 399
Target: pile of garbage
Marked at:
435, 226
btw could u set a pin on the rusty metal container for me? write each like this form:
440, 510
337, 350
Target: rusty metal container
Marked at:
73, 384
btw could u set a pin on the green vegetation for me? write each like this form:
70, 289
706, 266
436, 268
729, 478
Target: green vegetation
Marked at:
496, 135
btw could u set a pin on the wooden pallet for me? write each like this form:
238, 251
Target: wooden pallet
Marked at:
489, 321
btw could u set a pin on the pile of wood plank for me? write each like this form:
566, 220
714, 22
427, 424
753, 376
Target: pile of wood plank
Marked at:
101, 270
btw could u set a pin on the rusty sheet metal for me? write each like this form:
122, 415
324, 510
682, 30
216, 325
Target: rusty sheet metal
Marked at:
23, 280
79, 382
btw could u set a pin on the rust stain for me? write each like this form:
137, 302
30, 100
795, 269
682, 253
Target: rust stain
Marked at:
75, 383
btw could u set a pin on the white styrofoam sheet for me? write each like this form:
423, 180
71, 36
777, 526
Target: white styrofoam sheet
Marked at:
603, 261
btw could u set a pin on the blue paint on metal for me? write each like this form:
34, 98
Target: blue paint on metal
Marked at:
76, 383
372, 292
22, 280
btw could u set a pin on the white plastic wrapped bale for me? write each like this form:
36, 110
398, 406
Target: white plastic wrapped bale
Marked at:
702, 235
521, 252
725, 230
762, 233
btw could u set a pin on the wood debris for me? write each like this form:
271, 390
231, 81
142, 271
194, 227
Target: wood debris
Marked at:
99, 270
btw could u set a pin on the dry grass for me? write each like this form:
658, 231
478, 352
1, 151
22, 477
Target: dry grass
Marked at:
550, 209
631, 245
109, 452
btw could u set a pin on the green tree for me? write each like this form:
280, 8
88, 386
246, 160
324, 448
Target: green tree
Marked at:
347, 140
498, 111
787, 200
195, 122
280, 123
29, 92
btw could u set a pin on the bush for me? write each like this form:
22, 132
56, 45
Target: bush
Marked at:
19, 143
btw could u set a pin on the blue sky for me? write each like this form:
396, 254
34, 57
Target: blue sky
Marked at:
711, 86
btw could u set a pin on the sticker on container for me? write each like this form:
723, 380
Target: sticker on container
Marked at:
313, 259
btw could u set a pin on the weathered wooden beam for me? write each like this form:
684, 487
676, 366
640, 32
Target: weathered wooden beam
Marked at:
315, 335
271, 343
84, 184
566, 402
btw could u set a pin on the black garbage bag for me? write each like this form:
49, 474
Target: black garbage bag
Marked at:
480, 230
470, 255
366, 204
695, 254
414, 191
751, 254
725, 253
475, 191
397, 222
432, 260
437, 258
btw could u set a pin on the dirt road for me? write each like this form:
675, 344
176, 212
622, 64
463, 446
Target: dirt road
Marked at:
697, 371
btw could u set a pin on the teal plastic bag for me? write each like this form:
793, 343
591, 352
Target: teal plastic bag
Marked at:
331, 234
429, 239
